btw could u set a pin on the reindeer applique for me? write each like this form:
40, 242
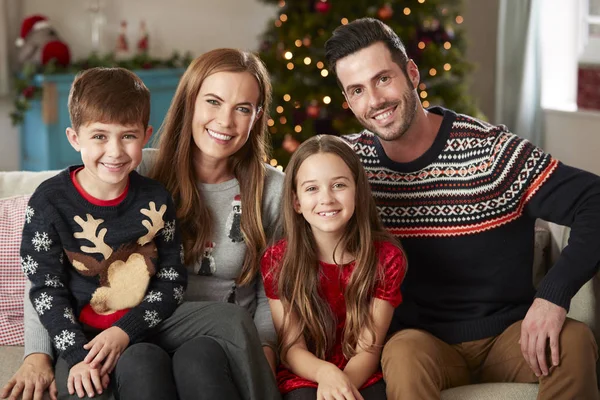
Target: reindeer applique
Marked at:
124, 274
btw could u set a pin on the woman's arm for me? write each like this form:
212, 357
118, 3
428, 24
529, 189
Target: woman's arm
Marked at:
366, 361
37, 339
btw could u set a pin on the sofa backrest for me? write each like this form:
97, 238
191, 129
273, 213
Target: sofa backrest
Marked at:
14, 183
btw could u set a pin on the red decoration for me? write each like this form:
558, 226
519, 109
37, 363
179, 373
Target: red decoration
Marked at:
122, 45
142, 45
322, 6
313, 110
385, 12
588, 87
38, 43
290, 144
28, 92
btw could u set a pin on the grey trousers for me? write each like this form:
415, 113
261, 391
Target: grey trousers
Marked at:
229, 325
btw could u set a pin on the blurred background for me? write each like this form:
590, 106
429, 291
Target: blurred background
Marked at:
533, 65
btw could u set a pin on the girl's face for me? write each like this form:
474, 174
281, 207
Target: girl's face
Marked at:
325, 194
226, 109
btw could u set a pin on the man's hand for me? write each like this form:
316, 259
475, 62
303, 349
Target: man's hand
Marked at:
106, 348
85, 380
543, 321
34, 377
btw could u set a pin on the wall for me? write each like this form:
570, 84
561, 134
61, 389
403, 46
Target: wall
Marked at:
572, 137
200, 25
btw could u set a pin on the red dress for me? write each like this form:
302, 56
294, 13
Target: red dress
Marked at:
333, 284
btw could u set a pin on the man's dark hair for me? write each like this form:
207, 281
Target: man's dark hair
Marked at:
362, 33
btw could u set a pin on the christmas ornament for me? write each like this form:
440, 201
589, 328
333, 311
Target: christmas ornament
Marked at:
38, 43
122, 46
28, 92
142, 45
322, 6
290, 144
385, 12
312, 111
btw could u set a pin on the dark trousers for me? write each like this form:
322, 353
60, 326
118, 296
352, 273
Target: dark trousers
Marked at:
205, 346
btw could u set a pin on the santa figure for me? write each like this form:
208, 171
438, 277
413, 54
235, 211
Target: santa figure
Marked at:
39, 43
234, 220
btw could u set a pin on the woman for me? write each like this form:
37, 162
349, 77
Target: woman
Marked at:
213, 144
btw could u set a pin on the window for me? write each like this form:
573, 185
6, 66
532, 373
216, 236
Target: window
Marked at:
590, 32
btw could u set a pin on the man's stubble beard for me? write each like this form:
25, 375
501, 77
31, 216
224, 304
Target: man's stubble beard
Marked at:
407, 111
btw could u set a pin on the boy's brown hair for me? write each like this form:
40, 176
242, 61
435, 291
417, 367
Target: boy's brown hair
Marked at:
108, 95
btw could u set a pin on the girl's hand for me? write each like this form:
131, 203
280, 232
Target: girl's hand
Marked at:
334, 384
106, 348
85, 380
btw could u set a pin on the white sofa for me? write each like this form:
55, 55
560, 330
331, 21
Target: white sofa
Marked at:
584, 306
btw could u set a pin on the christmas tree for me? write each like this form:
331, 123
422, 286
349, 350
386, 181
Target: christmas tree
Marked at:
306, 97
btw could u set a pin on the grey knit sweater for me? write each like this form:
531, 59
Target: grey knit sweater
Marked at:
212, 279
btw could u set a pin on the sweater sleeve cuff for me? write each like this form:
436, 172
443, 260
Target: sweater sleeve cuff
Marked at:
37, 341
132, 326
560, 295
75, 355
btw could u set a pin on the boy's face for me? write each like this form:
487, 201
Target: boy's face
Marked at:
109, 153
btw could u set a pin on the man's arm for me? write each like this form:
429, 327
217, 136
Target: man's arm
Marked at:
569, 197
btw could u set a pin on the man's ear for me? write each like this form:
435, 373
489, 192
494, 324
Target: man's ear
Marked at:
413, 73
73, 139
148, 134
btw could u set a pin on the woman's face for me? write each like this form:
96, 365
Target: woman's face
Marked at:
226, 109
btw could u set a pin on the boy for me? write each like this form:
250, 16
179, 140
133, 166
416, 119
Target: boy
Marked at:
99, 241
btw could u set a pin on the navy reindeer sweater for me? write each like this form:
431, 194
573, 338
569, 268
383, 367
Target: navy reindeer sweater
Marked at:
465, 214
101, 261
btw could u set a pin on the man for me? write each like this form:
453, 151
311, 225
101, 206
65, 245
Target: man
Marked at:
463, 196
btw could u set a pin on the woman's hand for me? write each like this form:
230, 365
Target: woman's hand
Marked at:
335, 384
32, 379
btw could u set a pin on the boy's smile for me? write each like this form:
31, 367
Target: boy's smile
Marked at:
109, 153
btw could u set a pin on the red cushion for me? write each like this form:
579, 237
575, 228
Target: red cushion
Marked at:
12, 279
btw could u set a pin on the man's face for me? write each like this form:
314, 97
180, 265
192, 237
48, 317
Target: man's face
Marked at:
378, 92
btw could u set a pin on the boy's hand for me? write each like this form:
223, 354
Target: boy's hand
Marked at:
83, 379
106, 348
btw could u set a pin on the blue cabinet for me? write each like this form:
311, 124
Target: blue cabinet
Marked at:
45, 146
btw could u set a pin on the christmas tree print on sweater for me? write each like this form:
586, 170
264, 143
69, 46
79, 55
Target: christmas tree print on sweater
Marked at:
234, 220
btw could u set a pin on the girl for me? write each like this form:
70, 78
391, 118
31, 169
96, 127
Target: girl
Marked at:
334, 281
212, 146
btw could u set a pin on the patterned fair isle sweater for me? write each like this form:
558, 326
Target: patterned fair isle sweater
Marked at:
465, 213
112, 258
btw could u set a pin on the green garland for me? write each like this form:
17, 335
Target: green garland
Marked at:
25, 89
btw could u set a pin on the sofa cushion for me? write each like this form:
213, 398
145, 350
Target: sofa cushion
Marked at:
12, 279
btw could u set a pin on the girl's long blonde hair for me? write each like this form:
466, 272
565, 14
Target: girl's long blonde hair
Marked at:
175, 169
299, 275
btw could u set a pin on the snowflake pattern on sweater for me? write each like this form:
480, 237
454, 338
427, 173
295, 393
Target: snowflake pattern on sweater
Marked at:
122, 260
